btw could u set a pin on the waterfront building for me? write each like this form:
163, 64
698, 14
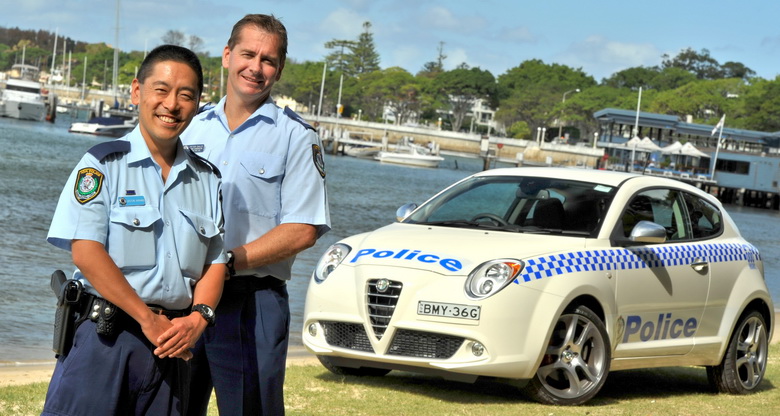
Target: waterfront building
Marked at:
744, 168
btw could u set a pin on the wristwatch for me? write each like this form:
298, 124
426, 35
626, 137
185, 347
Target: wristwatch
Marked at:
231, 264
206, 312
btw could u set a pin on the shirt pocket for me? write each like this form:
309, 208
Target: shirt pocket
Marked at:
261, 194
131, 236
192, 243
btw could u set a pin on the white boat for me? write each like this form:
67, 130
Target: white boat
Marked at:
114, 125
410, 154
22, 97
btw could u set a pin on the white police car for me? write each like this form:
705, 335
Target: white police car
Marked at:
552, 277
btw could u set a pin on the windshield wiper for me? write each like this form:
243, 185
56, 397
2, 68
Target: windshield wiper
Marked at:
471, 224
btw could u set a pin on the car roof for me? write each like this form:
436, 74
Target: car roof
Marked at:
605, 177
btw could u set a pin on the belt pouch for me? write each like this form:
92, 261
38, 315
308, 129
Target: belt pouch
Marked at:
105, 315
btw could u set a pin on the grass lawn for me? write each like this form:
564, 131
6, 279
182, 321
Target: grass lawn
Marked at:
312, 390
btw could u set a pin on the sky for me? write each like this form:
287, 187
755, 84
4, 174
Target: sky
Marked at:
600, 37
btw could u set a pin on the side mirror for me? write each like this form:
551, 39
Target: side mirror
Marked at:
404, 211
648, 232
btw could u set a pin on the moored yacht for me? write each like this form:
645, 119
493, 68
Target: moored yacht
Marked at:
22, 97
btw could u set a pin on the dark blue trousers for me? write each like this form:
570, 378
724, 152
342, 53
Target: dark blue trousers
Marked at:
116, 376
243, 356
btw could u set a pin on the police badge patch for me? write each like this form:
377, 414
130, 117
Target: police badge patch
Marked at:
319, 162
88, 184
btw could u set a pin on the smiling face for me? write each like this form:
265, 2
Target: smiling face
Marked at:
167, 101
254, 64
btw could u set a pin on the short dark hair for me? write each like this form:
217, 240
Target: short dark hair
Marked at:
171, 53
264, 22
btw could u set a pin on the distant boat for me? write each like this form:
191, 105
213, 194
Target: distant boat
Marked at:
22, 97
117, 124
410, 154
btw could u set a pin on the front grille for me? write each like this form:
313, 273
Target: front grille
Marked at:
418, 344
381, 303
346, 335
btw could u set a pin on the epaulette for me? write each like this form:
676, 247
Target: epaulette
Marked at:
293, 115
101, 150
206, 107
198, 158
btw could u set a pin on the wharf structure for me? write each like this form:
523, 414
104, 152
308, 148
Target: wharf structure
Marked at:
744, 169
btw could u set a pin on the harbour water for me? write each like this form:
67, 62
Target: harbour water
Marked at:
36, 157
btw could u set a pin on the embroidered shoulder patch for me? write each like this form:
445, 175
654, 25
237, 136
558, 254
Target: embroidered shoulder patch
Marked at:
319, 162
88, 184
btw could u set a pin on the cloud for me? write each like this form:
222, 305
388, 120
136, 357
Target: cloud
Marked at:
601, 57
343, 24
517, 35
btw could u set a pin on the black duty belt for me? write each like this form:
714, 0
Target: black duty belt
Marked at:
92, 301
252, 283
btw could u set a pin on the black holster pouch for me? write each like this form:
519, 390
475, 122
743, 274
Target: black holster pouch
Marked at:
106, 317
68, 292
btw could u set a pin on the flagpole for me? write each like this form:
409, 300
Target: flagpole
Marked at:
722, 122
636, 127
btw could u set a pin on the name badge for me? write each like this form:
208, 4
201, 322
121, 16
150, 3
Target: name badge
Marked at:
132, 201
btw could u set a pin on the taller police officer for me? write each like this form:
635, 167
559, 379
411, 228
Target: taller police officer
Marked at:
142, 218
275, 206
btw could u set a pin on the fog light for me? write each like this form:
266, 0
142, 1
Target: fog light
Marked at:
313, 330
477, 349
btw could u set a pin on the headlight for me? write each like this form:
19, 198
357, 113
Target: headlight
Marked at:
330, 260
492, 276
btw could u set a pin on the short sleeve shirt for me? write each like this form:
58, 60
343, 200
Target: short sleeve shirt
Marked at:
160, 235
272, 171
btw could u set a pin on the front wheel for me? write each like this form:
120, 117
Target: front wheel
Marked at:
744, 363
576, 363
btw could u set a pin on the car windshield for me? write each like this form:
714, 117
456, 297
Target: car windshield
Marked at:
519, 204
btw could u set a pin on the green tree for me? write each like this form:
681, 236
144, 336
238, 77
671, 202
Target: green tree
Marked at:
354, 57
434, 68
761, 107
393, 89
701, 99
462, 87
533, 91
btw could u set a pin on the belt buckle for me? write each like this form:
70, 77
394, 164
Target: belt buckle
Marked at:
157, 310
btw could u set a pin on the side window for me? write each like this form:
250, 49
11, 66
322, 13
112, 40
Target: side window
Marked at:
704, 217
661, 206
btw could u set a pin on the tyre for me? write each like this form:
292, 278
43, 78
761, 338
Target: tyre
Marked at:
350, 371
576, 362
744, 363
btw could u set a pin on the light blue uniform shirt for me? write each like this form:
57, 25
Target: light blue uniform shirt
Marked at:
272, 173
161, 235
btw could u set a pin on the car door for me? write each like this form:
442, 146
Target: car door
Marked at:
661, 288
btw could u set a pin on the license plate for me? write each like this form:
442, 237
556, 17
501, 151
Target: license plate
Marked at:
448, 310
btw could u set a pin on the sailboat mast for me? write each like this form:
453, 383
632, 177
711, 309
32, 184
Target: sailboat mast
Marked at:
116, 55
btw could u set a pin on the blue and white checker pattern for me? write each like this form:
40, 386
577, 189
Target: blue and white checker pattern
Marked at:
635, 258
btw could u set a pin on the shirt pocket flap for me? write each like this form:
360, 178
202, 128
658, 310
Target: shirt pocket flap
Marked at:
203, 225
263, 166
135, 217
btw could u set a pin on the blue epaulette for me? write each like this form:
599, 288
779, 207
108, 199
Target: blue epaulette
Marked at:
293, 115
206, 107
198, 158
101, 150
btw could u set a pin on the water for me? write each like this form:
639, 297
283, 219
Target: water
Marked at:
35, 159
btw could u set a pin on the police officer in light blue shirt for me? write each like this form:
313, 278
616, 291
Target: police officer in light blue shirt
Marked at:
275, 205
142, 217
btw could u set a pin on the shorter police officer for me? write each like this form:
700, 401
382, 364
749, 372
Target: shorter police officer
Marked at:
142, 217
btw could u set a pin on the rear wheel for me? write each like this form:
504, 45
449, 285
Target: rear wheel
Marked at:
744, 363
350, 371
576, 362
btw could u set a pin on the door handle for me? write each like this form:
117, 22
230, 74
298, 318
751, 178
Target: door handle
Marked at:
699, 264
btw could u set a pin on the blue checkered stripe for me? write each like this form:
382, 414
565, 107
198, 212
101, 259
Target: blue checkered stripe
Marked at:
634, 258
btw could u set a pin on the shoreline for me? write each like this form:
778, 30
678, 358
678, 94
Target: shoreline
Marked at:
28, 372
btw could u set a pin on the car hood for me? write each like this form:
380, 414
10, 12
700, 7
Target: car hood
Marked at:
448, 250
